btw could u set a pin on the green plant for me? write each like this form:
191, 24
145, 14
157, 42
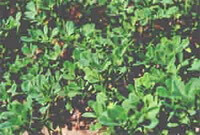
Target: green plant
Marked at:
128, 67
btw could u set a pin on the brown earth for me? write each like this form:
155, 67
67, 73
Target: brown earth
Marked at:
65, 131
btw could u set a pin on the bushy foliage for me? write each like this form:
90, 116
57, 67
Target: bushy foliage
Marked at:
135, 63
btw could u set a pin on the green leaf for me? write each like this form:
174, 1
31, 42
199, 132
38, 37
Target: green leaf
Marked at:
43, 109
153, 124
72, 94
88, 29
172, 124
54, 32
26, 85
105, 120
100, 103
27, 39
91, 75
45, 29
172, 11
98, 108
131, 102
192, 88
117, 113
31, 6
31, 10
13, 89
195, 65
185, 43
5, 125
101, 98
89, 115
96, 127
26, 50
69, 28
163, 92
166, 1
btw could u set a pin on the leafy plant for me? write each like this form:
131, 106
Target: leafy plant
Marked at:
125, 67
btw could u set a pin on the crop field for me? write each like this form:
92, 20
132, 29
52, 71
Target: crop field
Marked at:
99, 67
